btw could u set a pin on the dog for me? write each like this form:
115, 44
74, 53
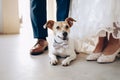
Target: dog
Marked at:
61, 45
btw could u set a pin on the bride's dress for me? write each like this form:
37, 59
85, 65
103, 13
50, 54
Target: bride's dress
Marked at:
94, 18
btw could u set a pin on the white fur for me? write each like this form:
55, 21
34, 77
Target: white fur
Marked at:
60, 44
68, 52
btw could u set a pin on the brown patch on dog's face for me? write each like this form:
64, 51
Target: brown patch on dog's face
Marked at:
60, 28
50, 24
70, 21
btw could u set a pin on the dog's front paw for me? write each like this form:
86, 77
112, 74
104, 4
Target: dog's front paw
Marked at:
65, 63
53, 61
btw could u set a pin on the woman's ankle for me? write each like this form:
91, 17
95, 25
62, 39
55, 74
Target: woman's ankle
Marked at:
112, 47
99, 46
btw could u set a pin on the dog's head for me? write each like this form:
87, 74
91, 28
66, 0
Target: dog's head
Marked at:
61, 29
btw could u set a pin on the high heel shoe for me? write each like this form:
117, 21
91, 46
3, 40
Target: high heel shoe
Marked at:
93, 56
108, 58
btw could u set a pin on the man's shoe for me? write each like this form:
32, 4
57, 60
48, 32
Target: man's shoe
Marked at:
39, 47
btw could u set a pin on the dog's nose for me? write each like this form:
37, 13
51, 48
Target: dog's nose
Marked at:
65, 34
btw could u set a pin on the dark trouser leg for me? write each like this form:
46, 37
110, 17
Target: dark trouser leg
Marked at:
38, 18
62, 9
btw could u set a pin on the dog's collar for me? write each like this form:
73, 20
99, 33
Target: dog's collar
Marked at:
61, 43
57, 42
62, 38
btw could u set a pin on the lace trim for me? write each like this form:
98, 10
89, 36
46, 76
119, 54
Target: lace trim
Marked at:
115, 30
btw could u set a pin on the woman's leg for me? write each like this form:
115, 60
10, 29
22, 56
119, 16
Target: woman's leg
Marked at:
112, 46
100, 45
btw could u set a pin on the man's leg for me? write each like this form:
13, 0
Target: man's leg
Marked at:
62, 9
38, 19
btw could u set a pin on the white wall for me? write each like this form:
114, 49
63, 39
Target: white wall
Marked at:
10, 16
51, 13
0, 16
9, 21
51, 9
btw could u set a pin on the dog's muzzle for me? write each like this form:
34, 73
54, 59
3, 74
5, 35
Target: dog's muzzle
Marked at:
65, 34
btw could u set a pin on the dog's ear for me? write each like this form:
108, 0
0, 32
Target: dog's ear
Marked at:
70, 21
49, 24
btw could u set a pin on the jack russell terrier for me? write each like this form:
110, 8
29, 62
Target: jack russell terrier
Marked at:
61, 45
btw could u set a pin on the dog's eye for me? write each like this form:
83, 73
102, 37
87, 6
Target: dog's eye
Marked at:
66, 27
58, 27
